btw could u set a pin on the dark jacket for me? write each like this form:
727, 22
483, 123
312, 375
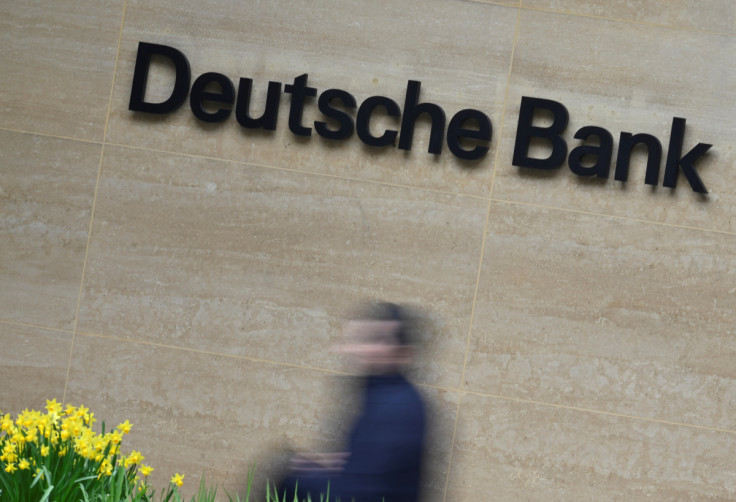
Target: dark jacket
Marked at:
386, 444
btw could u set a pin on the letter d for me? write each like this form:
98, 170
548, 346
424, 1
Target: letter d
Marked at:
140, 78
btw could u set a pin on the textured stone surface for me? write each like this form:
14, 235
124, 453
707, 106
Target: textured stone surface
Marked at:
606, 314
263, 263
520, 451
57, 65
707, 15
33, 364
579, 342
46, 192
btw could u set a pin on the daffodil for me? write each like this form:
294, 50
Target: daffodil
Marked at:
106, 467
134, 458
115, 437
53, 407
125, 427
177, 479
34, 439
18, 437
31, 436
6, 423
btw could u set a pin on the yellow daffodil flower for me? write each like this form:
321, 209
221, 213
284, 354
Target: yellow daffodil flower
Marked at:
53, 407
134, 458
177, 479
146, 469
10, 468
24, 464
44, 451
115, 437
31, 435
125, 427
106, 467
6, 424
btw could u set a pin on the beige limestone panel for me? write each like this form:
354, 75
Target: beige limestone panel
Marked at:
513, 3
626, 77
708, 15
609, 314
265, 263
459, 51
511, 451
197, 413
442, 407
57, 64
33, 364
46, 192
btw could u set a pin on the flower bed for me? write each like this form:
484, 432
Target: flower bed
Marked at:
57, 457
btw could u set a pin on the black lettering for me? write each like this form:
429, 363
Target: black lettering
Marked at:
266, 121
199, 95
140, 78
525, 131
626, 144
602, 152
685, 162
412, 110
362, 122
456, 132
299, 92
345, 120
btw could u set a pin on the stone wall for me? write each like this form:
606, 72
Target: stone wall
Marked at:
192, 277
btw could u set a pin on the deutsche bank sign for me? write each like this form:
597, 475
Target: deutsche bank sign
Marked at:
467, 135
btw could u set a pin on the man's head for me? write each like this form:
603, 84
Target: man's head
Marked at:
378, 339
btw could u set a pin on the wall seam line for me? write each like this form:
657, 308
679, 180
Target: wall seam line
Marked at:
627, 21
376, 182
613, 216
490, 201
452, 446
299, 171
460, 391
36, 326
52, 136
94, 201
484, 238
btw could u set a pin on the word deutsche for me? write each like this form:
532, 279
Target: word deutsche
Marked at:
458, 132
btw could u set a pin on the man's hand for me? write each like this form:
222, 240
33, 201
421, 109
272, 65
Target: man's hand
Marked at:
332, 461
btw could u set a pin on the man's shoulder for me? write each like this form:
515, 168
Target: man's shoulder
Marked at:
400, 393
